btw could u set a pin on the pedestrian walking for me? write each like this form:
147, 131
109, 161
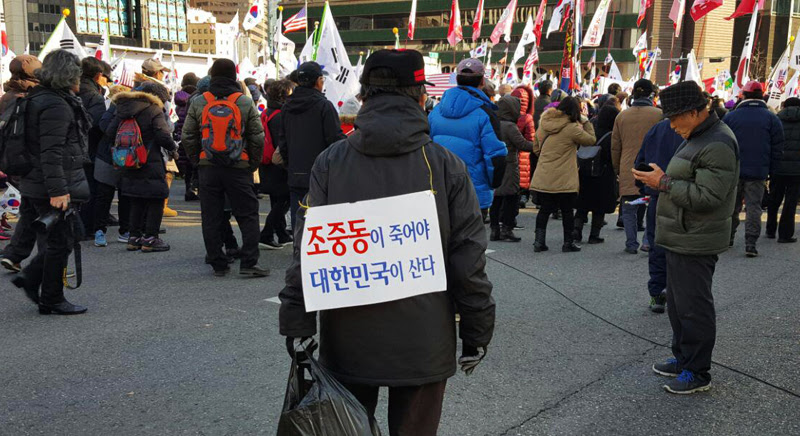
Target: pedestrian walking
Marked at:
274, 177
630, 128
598, 184
416, 353
310, 124
658, 147
506, 197
760, 136
697, 195
189, 171
784, 185
223, 136
56, 129
465, 123
146, 186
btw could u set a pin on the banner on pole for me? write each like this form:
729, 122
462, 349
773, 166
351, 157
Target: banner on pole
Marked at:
370, 252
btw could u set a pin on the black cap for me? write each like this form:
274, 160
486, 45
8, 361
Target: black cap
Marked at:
681, 97
643, 87
407, 65
309, 72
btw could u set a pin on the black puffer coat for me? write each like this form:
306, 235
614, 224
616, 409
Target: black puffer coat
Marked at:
598, 188
149, 180
508, 112
56, 127
789, 163
411, 341
91, 95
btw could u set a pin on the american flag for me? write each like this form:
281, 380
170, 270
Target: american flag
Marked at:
126, 76
442, 83
298, 21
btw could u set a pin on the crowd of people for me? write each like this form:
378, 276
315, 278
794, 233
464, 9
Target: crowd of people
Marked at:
484, 152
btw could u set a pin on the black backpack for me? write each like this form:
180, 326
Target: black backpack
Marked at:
590, 158
15, 158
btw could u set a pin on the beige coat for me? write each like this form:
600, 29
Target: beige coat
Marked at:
630, 128
556, 144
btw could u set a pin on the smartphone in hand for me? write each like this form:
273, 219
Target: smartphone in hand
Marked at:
645, 168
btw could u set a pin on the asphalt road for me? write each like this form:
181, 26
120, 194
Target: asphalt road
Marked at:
167, 349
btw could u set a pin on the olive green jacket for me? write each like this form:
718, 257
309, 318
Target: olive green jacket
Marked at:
697, 200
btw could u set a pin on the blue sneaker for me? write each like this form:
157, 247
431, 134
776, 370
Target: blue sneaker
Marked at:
100, 239
123, 238
687, 383
670, 368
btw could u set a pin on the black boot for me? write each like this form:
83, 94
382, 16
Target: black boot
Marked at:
569, 244
539, 244
495, 234
507, 235
63, 308
577, 233
594, 236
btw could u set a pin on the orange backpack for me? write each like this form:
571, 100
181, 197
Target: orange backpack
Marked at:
222, 131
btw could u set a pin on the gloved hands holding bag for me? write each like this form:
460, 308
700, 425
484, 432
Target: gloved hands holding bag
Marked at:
470, 357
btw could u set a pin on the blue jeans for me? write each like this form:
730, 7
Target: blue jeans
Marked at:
630, 221
657, 258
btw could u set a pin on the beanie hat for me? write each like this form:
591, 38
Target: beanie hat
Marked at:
223, 68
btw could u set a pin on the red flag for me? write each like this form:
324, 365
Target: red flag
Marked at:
643, 6
745, 7
478, 22
455, 32
412, 19
701, 7
539, 23
709, 84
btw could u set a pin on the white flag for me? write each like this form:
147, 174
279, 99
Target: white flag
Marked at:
792, 86
62, 38
613, 72
479, 51
597, 27
641, 44
676, 15
794, 59
254, 16
526, 39
693, 70
777, 81
103, 48
608, 59
504, 24
743, 70
511, 75
558, 15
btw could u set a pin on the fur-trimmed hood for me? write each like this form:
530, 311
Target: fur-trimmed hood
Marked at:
129, 104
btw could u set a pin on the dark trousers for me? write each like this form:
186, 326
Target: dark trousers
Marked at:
146, 215
413, 410
657, 261
690, 306
504, 210
189, 172
217, 183
104, 196
296, 195
552, 202
783, 189
751, 192
275, 225
24, 237
46, 269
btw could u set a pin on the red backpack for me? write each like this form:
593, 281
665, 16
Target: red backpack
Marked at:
128, 151
221, 128
269, 145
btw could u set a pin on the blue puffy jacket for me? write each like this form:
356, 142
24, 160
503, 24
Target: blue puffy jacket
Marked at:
460, 124
759, 133
658, 147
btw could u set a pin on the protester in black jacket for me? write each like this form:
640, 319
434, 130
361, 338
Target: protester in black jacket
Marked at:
408, 345
310, 125
146, 186
56, 129
784, 185
95, 75
274, 178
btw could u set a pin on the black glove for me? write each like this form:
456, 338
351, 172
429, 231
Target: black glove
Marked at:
471, 357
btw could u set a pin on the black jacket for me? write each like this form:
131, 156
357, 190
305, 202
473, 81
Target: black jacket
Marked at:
95, 105
56, 127
789, 163
598, 182
149, 180
538, 108
310, 124
410, 341
274, 178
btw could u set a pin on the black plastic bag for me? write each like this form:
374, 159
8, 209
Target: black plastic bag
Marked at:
322, 406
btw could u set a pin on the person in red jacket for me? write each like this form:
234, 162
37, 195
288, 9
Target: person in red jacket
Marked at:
527, 161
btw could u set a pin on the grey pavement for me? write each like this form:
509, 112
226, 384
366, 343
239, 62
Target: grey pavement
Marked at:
167, 349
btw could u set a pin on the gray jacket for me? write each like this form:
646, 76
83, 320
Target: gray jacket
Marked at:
411, 341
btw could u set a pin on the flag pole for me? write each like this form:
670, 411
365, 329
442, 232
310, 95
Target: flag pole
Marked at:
306, 6
278, 51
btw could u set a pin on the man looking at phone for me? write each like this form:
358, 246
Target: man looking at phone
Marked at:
697, 195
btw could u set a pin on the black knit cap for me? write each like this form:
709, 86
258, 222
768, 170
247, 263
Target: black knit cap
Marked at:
681, 97
643, 87
408, 67
223, 68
